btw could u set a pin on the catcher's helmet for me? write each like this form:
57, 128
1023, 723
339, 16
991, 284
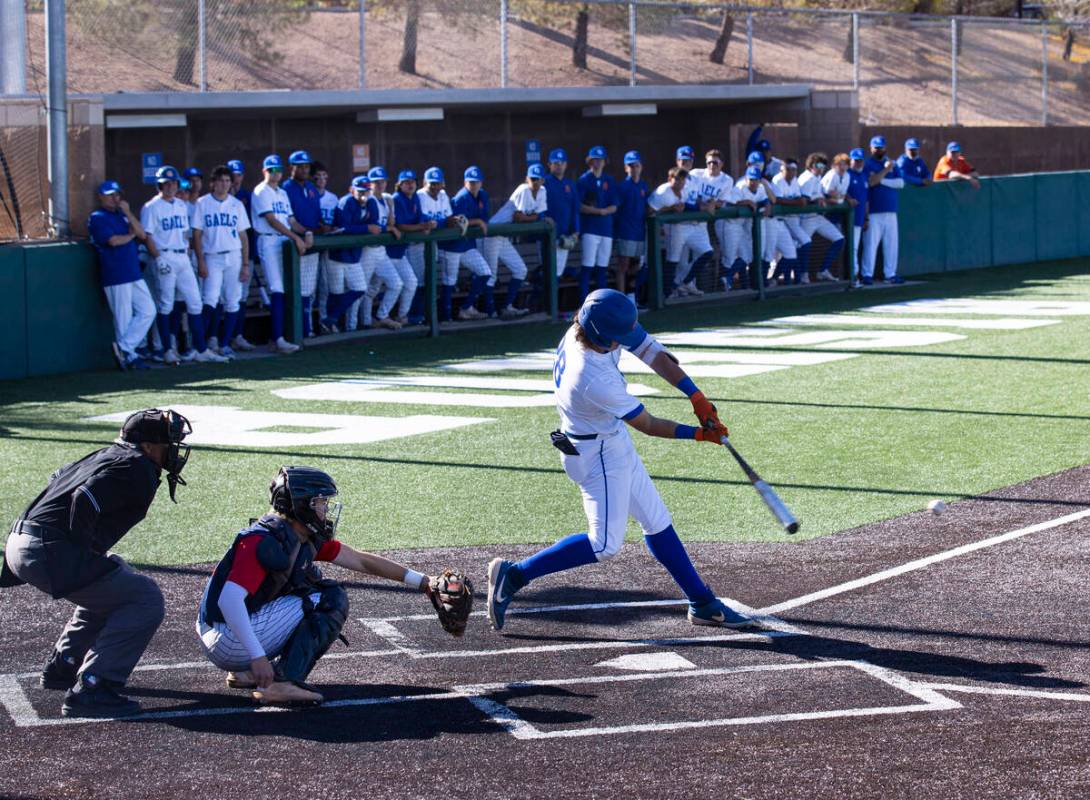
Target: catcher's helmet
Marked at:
153, 426
297, 493
607, 316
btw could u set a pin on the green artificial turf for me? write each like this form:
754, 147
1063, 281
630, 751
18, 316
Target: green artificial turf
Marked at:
846, 442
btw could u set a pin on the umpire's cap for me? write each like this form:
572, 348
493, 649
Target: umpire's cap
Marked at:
607, 316
299, 157
558, 155
164, 174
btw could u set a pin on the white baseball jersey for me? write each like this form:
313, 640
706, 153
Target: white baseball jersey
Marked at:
522, 200
327, 204
266, 199
712, 188
743, 192
693, 192
591, 393
787, 189
221, 223
166, 222
811, 187
664, 197
436, 208
835, 183
192, 206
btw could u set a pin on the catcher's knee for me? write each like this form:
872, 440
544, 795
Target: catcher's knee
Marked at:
334, 604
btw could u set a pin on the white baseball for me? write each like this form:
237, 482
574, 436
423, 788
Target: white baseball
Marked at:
936, 507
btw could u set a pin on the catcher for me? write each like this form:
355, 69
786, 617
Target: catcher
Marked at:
268, 615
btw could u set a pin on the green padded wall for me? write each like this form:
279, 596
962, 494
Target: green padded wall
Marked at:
13, 357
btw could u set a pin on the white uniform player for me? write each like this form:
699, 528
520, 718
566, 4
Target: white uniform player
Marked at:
529, 202
786, 187
598, 455
378, 270
738, 233
718, 188
813, 189
165, 220
220, 223
273, 223
327, 204
775, 236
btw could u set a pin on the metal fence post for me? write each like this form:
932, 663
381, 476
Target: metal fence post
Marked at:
758, 252
431, 285
654, 262
202, 44
855, 52
552, 280
56, 70
954, 71
503, 44
749, 45
363, 44
1044, 72
632, 44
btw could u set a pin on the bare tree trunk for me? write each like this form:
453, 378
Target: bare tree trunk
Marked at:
579, 46
407, 63
719, 52
1069, 43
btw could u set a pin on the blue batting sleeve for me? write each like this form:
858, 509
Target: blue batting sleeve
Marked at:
687, 386
685, 431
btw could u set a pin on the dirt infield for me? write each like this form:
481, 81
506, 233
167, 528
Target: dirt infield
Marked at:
919, 657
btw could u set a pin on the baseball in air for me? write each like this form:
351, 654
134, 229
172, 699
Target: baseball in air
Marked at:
936, 507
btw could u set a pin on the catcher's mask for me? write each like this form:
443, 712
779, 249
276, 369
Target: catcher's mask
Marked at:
305, 494
161, 427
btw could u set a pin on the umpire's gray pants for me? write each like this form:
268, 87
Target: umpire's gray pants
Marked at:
115, 616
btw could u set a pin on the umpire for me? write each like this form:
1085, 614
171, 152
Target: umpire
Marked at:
60, 546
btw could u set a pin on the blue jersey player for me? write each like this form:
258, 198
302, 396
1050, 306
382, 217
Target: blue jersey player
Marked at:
598, 204
562, 198
913, 168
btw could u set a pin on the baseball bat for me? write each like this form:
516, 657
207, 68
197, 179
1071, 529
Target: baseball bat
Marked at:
778, 508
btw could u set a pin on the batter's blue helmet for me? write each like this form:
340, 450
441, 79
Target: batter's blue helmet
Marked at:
236, 166
607, 316
632, 157
857, 154
535, 171
166, 174
406, 175
878, 141
434, 175
559, 154
299, 157
473, 174
377, 173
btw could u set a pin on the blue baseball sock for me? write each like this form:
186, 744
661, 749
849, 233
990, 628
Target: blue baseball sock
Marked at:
512, 291
477, 284
489, 299
571, 272
230, 321
240, 321
417, 308
802, 262
276, 314
584, 283
641, 279
162, 322
667, 548
196, 333
570, 552
306, 316
831, 254
600, 279
332, 303
446, 294
208, 316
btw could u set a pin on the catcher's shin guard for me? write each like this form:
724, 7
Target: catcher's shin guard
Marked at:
315, 635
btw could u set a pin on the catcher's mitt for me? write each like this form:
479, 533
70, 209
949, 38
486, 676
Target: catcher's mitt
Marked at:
452, 595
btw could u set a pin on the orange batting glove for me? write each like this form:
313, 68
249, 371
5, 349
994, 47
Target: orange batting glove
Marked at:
713, 434
704, 410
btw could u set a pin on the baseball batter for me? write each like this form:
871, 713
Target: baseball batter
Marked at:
598, 203
274, 224
220, 223
165, 218
597, 454
527, 203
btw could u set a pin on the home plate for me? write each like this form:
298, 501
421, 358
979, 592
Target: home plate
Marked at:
649, 662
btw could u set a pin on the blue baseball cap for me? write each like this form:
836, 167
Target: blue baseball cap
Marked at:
377, 173
272, 162
166, 174
764, 144
559, 154
632, 157
192, 172
596, 152
755, 158
434, 175
857, 154
878, 141
685, 152
184, 184
361, 182
753, 173
473, 174
536, 171
912, 144
110, 187
236, 166
406, 175
299, 157
953, 147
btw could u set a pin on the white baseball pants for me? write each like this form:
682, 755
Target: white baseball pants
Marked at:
269, 250
471, 259
691, 235
881, 230
273, 625
797, 229
415, 254
736, 240
596, 249
178, 280
561, 260
308, 274
777, 239
816, 223
385, 279
222, 281
133, 311
409, 283
615, 485
334, 276
500, 248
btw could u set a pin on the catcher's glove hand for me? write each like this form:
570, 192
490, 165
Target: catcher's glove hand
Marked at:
452, 595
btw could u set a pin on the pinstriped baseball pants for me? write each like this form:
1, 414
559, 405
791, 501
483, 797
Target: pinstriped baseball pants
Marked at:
273, 625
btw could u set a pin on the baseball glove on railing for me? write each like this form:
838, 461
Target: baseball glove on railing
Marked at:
463, 223
452, 595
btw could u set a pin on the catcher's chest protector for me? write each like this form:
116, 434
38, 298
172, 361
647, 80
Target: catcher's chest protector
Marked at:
289, 563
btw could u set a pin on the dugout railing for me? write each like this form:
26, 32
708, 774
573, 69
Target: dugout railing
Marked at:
655, 241
544, 231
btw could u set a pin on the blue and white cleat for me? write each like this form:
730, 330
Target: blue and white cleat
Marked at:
499, 594
717, 614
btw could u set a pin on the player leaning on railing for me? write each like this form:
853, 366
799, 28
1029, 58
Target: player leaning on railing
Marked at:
597, 453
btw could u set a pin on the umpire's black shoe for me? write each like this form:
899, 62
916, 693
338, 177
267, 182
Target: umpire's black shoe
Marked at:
97, 699
59, 673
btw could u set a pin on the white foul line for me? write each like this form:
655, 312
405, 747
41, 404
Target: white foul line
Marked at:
920, 563
960, 687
